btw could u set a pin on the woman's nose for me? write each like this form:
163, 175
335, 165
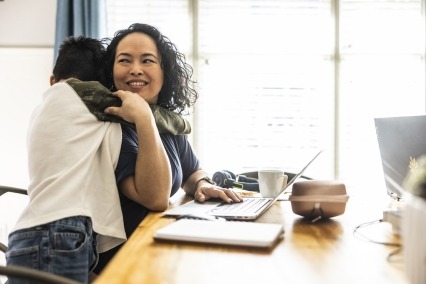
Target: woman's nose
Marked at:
137, 69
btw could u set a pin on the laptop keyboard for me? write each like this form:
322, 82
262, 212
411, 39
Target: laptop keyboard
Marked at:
247, 206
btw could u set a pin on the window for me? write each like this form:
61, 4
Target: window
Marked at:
381, 73
281, 79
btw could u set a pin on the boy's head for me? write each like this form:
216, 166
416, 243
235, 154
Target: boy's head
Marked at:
80, 58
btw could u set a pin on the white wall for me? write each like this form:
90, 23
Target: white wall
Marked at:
27, 23
27, 30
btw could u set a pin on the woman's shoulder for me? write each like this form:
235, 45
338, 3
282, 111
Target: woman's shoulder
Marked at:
129, 134
177, 141
126, 128
181, 138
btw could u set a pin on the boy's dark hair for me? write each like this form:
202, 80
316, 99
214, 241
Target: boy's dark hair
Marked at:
80, 58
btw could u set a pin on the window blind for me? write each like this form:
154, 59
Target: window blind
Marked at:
266, 83
381, 74
280, 79
172, 18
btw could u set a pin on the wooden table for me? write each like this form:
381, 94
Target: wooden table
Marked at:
322, 252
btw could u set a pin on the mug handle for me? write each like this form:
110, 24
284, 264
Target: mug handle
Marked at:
284, 182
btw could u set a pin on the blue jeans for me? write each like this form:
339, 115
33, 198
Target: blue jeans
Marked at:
66, 247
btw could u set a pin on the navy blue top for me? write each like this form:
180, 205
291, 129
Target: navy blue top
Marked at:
183, 163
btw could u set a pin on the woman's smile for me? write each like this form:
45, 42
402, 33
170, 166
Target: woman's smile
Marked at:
137, 84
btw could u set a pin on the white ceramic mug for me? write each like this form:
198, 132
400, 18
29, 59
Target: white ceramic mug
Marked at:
271, 182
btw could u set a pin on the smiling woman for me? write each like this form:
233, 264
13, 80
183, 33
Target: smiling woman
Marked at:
145, 67
137, 55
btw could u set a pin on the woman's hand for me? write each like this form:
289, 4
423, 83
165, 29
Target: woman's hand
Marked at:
133, 106
202, 190
206, 191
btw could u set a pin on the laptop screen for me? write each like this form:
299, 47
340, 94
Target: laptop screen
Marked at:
401, 141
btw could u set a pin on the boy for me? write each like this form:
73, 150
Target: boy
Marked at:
74, 209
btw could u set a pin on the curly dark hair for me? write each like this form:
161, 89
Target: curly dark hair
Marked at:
178, 91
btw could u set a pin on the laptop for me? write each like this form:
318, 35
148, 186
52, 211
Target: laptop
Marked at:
250, 209
401, 141
223, 233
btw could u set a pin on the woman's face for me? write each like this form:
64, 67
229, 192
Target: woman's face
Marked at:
137, 67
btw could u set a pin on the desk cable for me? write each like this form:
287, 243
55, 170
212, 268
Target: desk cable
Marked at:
359, 235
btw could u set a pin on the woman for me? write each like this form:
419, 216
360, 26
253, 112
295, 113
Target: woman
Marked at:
153, 166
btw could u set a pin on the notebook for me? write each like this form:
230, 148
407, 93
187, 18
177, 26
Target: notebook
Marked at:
217, 232
401, 141
250, 209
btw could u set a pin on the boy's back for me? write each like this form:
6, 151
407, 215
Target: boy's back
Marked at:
71, 162
74, 208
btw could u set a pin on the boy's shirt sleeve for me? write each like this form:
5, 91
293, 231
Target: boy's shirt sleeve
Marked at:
170, 122
97, 98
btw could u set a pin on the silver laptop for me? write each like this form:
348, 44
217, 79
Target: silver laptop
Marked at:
250, 209
401, 140
225, 233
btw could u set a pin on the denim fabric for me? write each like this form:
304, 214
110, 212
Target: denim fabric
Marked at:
66, 247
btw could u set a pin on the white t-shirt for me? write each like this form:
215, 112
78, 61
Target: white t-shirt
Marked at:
71, 162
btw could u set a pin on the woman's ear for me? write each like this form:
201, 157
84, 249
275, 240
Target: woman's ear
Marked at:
52, 80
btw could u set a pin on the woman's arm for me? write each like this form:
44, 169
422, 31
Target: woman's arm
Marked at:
151, 184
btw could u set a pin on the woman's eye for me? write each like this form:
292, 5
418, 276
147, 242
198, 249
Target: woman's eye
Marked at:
123, 60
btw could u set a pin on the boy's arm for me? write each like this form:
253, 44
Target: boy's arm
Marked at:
170, 122
97, 98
